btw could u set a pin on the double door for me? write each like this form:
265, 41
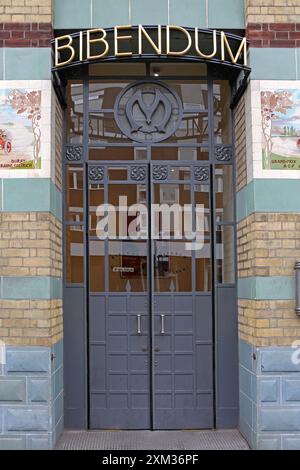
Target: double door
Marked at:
150, 315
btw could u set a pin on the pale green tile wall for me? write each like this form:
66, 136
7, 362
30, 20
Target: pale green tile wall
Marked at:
188, 13
212, 13
226, 14
72, 14
106, 14
274, 63
24, 63
149, 12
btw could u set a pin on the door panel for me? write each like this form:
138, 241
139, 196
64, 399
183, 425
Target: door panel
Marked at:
119, 317
182, 323
151, 350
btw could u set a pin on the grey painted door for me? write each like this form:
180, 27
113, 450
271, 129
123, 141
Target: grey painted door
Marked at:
182, 305
119, 319
150, 318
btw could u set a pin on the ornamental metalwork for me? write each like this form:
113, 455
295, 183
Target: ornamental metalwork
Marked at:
74, 153
138, 173
148, 111
96, 173
160, 172
201, 173
223, 153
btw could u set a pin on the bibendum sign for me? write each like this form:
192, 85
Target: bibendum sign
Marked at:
170, 41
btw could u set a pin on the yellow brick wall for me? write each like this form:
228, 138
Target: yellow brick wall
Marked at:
268, 322
22, 11
272, 11
268, 244
30, 244
240, 144
31, 322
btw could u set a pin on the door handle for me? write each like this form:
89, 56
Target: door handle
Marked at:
139, 332
162, 331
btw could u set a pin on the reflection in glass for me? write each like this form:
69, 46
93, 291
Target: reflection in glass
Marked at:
172, 267
102, 95
177, 68
127, 266
180, 173
74, 254
193, 129
96, 198
116, 173
118, 153
74, 193
202, 200
194, 95
131, 222
133, 68
168, 216
103, 128
97, 266
74, 114
224, 193
179, 153
222, 112
203, 268
225, 255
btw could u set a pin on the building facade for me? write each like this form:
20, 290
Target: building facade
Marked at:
115, 332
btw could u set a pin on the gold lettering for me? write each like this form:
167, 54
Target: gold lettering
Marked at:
243, 47
61, 48
185, 32
81, 46
93, 41
121, 38
215, 46
142, 32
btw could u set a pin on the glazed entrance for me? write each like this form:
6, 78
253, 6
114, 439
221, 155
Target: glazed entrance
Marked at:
146, 300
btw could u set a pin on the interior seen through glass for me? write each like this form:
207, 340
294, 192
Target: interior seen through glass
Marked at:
117, 263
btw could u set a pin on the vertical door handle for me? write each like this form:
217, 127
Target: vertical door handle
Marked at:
139, 324
162, 331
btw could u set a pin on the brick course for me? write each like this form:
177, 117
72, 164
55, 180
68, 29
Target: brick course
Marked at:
272, 11
39, 11
268, 322
273, 34
25, 34
31, 322
268, 244
30, 244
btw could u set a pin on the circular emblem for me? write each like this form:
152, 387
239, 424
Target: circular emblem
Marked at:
148, 111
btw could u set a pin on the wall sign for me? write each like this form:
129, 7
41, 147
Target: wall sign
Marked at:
20, 127
128, 41
280, 114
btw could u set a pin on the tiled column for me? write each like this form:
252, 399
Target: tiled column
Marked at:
268, 207
31, 381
